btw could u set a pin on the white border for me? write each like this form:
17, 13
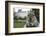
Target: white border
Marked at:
12, 30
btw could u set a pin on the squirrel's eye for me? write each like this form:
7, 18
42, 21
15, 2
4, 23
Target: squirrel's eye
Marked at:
28, 15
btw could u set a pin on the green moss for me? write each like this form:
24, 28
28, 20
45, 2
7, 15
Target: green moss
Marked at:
18, 24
